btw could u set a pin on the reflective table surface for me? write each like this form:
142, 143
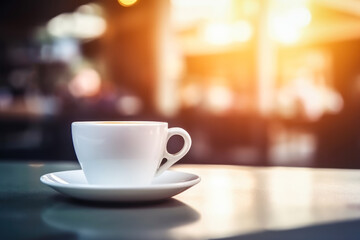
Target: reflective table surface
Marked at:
230, 202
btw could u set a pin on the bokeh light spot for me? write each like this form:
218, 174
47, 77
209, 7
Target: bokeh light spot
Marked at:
127, 3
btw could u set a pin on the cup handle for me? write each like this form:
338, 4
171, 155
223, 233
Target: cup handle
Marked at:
173, 158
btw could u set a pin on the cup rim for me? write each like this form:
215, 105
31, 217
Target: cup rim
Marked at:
119, 123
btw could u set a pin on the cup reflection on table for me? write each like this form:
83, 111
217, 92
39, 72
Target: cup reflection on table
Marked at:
100, 221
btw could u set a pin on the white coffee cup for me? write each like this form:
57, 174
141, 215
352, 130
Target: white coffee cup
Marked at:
125, 153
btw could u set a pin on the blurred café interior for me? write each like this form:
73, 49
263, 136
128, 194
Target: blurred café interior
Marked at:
254, 82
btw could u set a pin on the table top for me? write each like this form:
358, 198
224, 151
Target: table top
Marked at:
230, 202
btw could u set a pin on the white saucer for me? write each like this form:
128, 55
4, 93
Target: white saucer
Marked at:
74, 184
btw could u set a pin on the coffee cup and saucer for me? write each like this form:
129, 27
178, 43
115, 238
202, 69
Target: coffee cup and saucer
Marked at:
121, 161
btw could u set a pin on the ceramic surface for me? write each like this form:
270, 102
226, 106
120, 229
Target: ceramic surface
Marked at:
125, 153
74, 184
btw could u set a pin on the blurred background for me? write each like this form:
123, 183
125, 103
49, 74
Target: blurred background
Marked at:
255, 82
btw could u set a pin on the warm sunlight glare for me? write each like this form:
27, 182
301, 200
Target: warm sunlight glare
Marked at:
226, 33
285, 33
127, 3
286, 24
242, 31
218, 33
219, 98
